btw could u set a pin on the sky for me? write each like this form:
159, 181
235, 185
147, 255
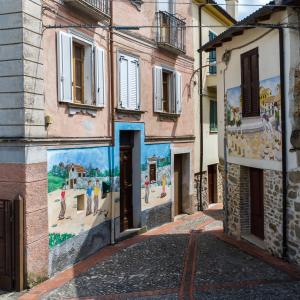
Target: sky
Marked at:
244, 11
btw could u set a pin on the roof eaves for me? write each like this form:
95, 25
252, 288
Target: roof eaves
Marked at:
252, 19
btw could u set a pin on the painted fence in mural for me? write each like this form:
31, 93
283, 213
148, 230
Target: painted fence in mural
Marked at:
80, 181
255, 137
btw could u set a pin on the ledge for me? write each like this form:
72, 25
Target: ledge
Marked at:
76, 108
167, 116
129, 111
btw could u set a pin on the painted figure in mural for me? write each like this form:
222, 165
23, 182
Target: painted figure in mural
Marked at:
163, 184
62, 203
147, 189
96, 196
266, 123
89, 192
277, 116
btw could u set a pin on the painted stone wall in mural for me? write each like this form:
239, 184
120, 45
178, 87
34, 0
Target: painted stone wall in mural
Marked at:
156, 175
255, 137
78, 191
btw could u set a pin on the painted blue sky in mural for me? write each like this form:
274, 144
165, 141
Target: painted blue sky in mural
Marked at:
94, 157
272, 84
158, 150
234, 96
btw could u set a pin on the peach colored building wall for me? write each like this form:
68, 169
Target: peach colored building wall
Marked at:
144, 47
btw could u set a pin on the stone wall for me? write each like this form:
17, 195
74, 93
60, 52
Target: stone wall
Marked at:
233, 200
204, 192
293, 217
273, 211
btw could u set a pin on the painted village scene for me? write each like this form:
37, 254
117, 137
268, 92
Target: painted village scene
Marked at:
78, 191
255, 137
156, 175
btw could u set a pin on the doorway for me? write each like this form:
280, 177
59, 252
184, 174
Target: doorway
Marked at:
212, 184
257, 202
178, 182
126, 186
11, 245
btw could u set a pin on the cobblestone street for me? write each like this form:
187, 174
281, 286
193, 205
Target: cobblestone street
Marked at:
187, 259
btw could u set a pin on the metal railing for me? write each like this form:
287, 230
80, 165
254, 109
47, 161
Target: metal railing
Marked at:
171, 31
102, 5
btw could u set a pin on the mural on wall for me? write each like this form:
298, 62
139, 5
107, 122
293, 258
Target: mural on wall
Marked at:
78, 191
156, 175
255, 137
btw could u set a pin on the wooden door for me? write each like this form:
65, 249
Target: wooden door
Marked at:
178, 184
212, 184
257, 202
126, 213
6, 245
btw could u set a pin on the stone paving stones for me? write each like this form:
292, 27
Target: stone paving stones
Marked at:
177, 261
282, 291
156, 263
219, 263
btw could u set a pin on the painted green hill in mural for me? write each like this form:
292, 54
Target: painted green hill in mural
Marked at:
54, 182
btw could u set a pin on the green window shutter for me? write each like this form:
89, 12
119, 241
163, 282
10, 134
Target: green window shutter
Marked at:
212, 55
213, 116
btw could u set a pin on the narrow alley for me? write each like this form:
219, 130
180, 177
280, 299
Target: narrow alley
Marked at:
187, 259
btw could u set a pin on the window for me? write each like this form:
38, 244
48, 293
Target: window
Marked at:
129, 82
166, 6
167, 90
80, 70
250, 83
212, 55
213, 121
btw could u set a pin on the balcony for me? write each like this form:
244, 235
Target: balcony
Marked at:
170, 32
95, 9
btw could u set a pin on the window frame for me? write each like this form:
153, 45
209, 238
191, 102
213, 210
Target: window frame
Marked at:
74, 75
213, 129
254, 104
212, 56
132, 56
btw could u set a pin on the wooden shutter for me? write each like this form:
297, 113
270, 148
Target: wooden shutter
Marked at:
157, 88
64, 66
178, 92
133, 81
123, 82
255, 83
250, 83
99, 77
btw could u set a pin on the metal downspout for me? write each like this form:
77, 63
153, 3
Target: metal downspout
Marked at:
200, 203
112, 105
284, 152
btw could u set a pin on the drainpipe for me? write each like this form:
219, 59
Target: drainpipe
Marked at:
112, 105
200, 202
284, 152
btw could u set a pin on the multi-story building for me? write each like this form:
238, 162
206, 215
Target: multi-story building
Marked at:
209, 20
258, 97
96, 127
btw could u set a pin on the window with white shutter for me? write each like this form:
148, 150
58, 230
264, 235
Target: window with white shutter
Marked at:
129, 82
167, 90
99, 77
157, 88
64, 64
81, 74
